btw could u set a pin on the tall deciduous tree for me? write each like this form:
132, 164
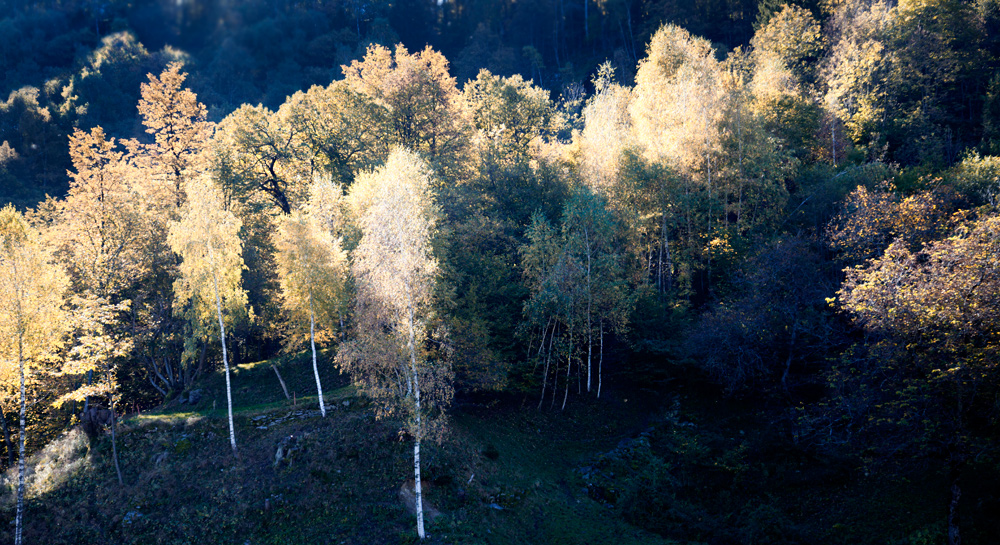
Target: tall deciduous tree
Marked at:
99, 349
395, 272
312, 269
180, 130
421, 100
934, 313
31, 315
207, 239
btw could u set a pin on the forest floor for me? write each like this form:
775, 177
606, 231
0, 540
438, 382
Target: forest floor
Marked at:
664, 465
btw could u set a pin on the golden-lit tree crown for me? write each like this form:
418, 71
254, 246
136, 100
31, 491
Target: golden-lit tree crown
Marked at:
207, 240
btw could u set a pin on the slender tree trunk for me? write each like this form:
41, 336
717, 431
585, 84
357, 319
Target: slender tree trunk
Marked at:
788, 362
312, 343
225, 361
284, 388
418, 432
590, 298
569, 366
954, 533
114, 441
600, 362
548, 358
6, 438
833, 141
18, 526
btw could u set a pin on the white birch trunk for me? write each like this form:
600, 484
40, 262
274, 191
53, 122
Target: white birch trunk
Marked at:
600, 362
418, 501
590, 299
225, 356
18, 526
312, 343
548, 358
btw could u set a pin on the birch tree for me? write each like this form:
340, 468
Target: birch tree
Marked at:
312, 269
31, 316
207, 239
395, 272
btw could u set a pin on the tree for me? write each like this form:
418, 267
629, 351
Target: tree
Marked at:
258, 151
178, 124
591, 233
607, 131
31, 316
98, 348
395, 271
312, 268
100, 229
207, 239
793, 35
421, 100
933, 317
337, 129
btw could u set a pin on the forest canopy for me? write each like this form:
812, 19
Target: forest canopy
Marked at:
795, 202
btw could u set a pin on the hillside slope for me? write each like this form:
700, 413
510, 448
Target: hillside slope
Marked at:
339, 479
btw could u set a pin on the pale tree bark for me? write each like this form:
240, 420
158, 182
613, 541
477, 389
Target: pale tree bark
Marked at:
590, 299
417, 495
114, 422
18, 526
600, 362
569, 367
312, 343
225, 357
548, 358
284, 388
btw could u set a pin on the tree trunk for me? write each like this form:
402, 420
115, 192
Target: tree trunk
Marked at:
114, 442
418, 432
954, 534
6, 438
20, 461
590, 298
284, 388
788, 362
548, 358
418, 500
312, 343
225, 361
569, 367
600, 362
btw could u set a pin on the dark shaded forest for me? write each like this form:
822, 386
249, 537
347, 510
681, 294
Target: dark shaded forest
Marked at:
735, 265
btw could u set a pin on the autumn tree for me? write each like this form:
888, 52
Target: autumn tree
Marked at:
207, 240
592, 236
98, 349
312, 268
395, 272
423, 107
933, 317
101, 228
336, 129
177, 122
607, 131
31, 316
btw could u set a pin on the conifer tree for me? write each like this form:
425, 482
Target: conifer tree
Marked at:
207, 239
31, 316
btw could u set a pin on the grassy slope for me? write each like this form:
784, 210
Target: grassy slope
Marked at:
182, 484
685, 464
